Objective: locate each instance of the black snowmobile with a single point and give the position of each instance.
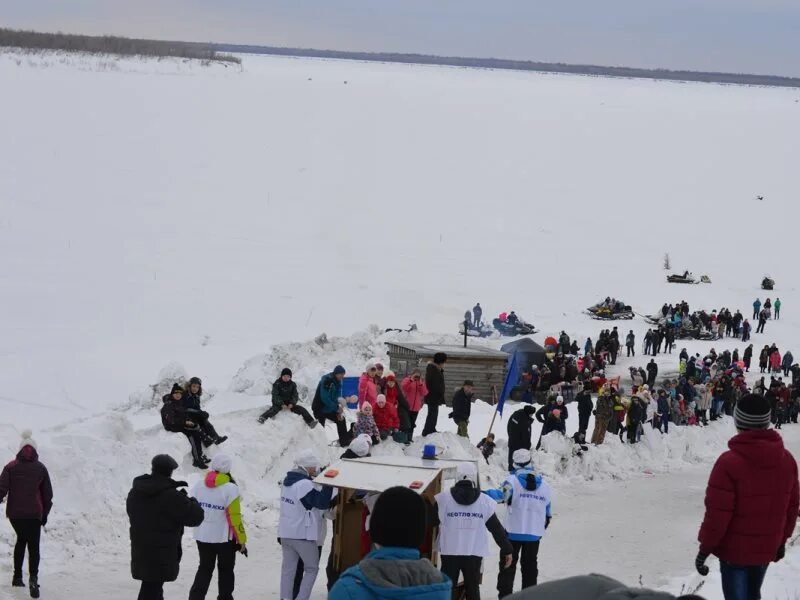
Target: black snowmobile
(767, 283)
(514, 329)
(685, 278)
(604, 312)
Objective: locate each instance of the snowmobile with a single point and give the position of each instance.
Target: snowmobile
(610, 313)
(483, 331)
(767, 283)
(518, 328)
(685, 278)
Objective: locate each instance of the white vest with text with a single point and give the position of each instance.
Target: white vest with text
(462, 529)
(528, 509)
(297, 523)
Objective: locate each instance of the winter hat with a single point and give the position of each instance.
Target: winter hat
(521, 457)
(221, 463)
(398, 519)
(360, 446)
(752, 412)
(391, 376)
(286, 371)
(176, 387)
(381, 401)
(196, 380)
(338, 370)
(27, 440)
(439, 358)
(467, 472)
(529, 410)
(366, 408)
(560, 399)
(379, 366)
(306, 459)
(369, 367)
(163, 464)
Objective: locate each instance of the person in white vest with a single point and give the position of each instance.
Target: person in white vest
(463, 515)
(302, 505)
(222, 533)
(528, 498)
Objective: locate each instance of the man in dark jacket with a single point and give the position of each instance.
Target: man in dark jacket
(477, 313)
(158, 512)
(30, 497)
(585, 407)
(630, 342)
(652, 373)
(174, 418)
(462, 407)
(752, 501)
(519, 432)
(326, 407)
(285, 397)
(191, 402)
(434, 381)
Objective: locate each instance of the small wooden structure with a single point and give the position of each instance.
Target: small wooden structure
(484, 366)
(376, 474)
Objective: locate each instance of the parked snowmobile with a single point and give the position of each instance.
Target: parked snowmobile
(685, 278)
(483, 331)
(767, 283)
(509, 329)
(610, 310)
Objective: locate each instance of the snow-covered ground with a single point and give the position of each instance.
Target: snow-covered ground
(164, 217)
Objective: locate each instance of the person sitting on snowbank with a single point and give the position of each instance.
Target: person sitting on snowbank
(175, 419)
(191, 402)
(285, 397)
(386, 417)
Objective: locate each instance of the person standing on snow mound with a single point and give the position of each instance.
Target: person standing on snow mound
(191, 402)
(325, 405)
(630, 341)
(477, 313)
(752, 501)
(174, 419)
(26, 482)
(299, 525)
(285, 397)
(462, 408)
(434, 381)
(221, 534)
(528, 498)
(394, 568)
(463, 515)
(519, 432)
(158, 512)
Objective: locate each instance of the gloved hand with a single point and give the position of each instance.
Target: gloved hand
(547, 522)
(594, 412)
(243, 549)
(700, 564)
(781, 553)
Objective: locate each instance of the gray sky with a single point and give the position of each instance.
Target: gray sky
(756, 36)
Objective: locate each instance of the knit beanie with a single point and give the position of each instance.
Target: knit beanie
(360, 446)
(286, 372)
(398, 519)
(163, 464)
(196, 380)
(176, 387)
(338, 370)
(752, 412)
(27, 440)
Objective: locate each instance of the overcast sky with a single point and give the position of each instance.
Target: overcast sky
(756, 36)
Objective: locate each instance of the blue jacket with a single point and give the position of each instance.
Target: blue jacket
(383, 571)
(757, 305)
(330, 390)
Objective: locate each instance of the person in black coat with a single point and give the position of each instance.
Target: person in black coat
(519, 432)
(175, 418)
(462, 408)
(158, 512)
(585, 407)
(285, 397)
(191, 402)
(434, 381)
(652, 373)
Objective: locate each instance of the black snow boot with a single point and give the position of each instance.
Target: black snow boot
(207, 441)
(17, 581)
(200, 465)
(205, 459)
(220, 439)
(34, 586)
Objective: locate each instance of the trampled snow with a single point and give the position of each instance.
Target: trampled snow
(163, 219)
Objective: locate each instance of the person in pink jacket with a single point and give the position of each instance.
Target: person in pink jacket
(414, 390)
(367, 389)
(775, 361)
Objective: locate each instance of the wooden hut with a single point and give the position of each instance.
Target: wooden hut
(484, 366)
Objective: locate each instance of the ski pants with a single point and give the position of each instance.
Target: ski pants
(224, 557)
(151, 590)
(526, 554)
(294, 551)
(296, 409)
(341, 427)
(600, 428)
(195, 437)
(583, 422)
(470, 567)
(28, 534)
(431, 419)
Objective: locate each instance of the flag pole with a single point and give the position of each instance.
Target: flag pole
(496, 407)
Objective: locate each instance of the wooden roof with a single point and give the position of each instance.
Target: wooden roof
(452, 351)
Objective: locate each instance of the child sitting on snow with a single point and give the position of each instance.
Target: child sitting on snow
(365, 423)
(487, 446)
(386, 417)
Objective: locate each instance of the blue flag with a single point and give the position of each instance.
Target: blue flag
(511, 381)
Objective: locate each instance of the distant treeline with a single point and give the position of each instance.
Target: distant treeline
(108, 44)
(522, 65)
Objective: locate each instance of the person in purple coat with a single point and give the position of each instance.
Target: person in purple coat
(26, 483)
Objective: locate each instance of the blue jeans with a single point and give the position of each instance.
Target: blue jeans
(741, 583)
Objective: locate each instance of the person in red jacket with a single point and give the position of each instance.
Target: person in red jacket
(414, 390)
(752, 501)
(30, 498)
(386, 417)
